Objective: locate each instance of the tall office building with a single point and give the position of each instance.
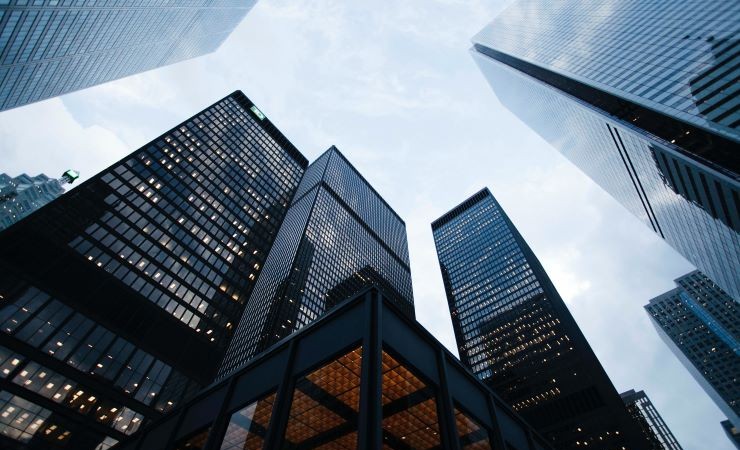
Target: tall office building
(338, 236)
(653, 426)
(118, 299)
(642, 96)
(700, 323)
(52, 47)
(514, 331)
(22, 195)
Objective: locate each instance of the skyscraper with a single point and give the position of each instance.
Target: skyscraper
(653, 426)
(642, 96)
(118, 299)
(514, 331)
(52, 47)
(338, 236)
(22, 195)
(700, 323)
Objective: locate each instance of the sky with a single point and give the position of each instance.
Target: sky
(394, 87)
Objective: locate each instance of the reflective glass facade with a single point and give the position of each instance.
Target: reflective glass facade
(117, 300)
(619, 104)
(700, 323)
(643, 412)
(364, 376)
(52, 47)
(514, 331)
(338, 236)
(22, 195)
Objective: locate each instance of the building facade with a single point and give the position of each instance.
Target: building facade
(338, 236)
(700, 323)
(642, 97)
(22, 195)
(52, 47)
(653, 426)
(514, 331)
(118, 299)
(364, 376)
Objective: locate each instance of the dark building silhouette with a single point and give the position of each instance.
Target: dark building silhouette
(641, 96)
(700, 323)
(653, 426)
(363, 376)
(118, 299)
(337, 227)
(514, 331)
(50, 48)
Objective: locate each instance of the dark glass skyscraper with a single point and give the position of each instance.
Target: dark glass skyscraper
(700, 323)
(119, 298)
(514, 331)
(52, 47)
(653, 426)
(338, 236)
(642, 96)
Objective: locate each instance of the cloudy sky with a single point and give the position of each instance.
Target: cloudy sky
(393, 86)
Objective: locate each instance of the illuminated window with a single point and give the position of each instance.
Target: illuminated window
(472, 436)
(325, 408)
(409, 409)
(194, 442)
(248, 426)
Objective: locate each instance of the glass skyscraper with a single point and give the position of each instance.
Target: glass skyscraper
(653, 426)
(52, 47)
(118, 299)
(641, 95)
(22, 195)
(338, 236)
(700, 323)
(514, 331)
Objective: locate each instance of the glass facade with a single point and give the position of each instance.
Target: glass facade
(514, 331)
(649, 420)
(364, 376)
(22, 195)
(118, 300)
(52, 47)
(338, 236)
(627, 114)
(700, 323)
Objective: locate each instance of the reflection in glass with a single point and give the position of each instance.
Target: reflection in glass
(472, 436)
(248, 426)
(194, 442)
(325, 408)
(409, 409)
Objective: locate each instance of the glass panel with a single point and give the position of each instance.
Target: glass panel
(22, 421)
(326, 405)
(472, 436)
(8, 361)
(248, 426)
(194, 442)
(409, 409)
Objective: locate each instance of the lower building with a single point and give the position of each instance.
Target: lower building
(733, 433)
(22, 195)
(649, 420)
(364, 376)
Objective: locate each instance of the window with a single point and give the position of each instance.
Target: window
(248, 426)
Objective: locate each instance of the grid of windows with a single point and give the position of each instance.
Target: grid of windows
(136, 279)
(647, 417)
(514, 331)
(701, 324)
(325, 251)
(52, 47)
(679, 58)
(693, 207)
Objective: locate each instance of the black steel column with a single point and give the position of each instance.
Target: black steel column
(281, 408)
(448, 428)
(498, 437)
(216, 435)
(371, 409)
